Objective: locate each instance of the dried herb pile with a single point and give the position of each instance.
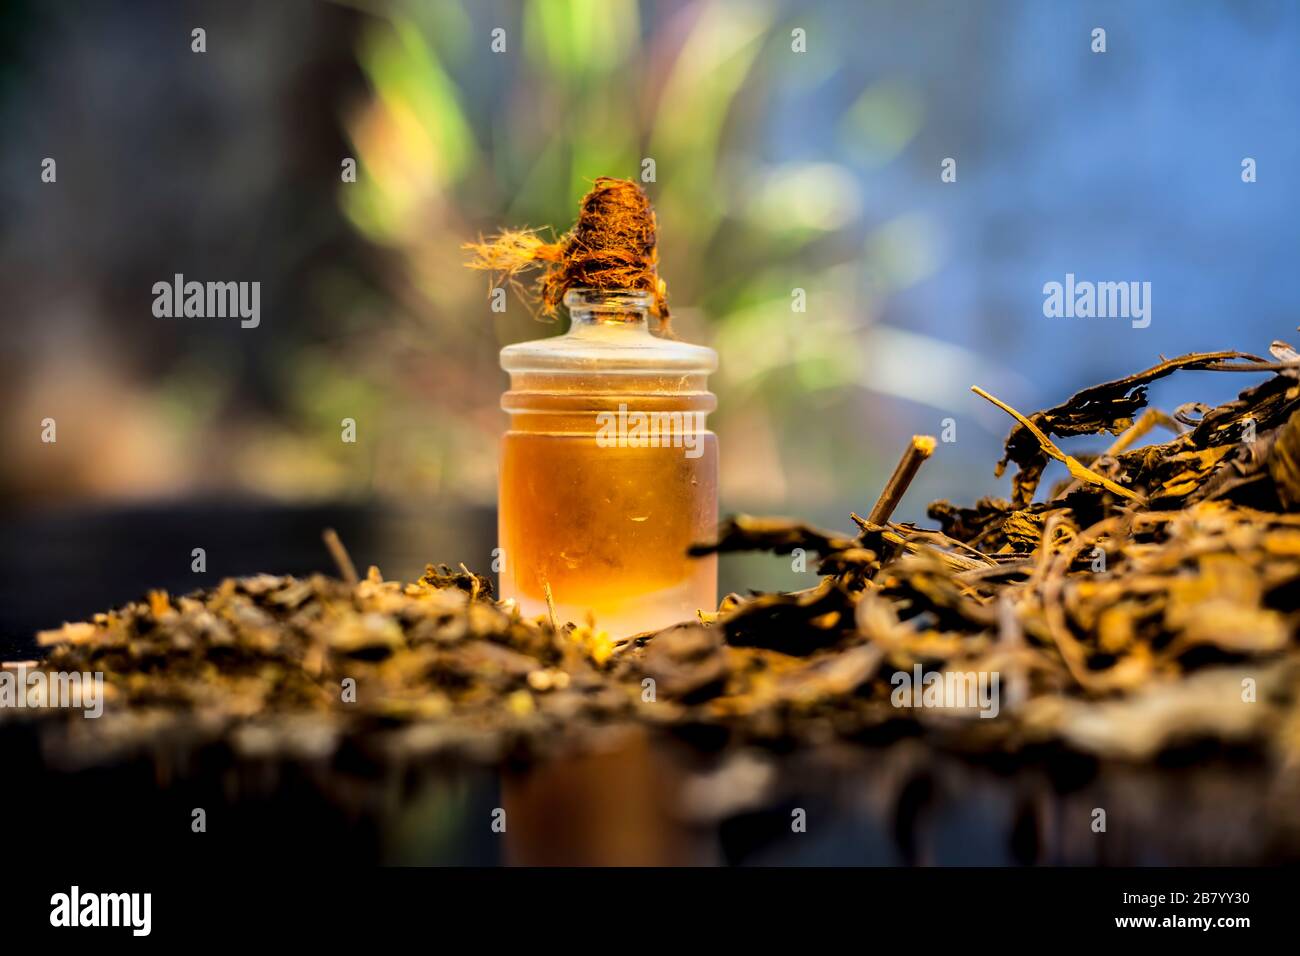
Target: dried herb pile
(1148, 600)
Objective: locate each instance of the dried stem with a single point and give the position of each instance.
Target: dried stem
(550, 607)
(347, 570)
(918, 450)
(1077, 468)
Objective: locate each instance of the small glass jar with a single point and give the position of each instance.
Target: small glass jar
(608, 472)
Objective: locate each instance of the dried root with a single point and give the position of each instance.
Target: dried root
(612, 246)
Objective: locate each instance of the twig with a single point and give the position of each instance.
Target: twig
(940, 538)
(1145, 423)
(1077, 468)
(918, 450)
(347, 570)
(550, 607)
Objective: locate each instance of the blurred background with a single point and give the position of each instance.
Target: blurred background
(774, 170)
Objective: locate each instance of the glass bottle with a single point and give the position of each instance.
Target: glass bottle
(608, 472)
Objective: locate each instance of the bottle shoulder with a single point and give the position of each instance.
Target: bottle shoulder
(608, 348)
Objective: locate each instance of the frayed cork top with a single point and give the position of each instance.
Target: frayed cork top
(612, 246)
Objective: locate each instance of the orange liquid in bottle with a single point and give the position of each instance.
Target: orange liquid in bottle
(608, 472)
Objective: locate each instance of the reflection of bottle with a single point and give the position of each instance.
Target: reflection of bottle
(613, 805)
(608, 472)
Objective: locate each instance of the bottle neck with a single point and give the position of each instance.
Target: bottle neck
(609, 345)
(615, 308)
